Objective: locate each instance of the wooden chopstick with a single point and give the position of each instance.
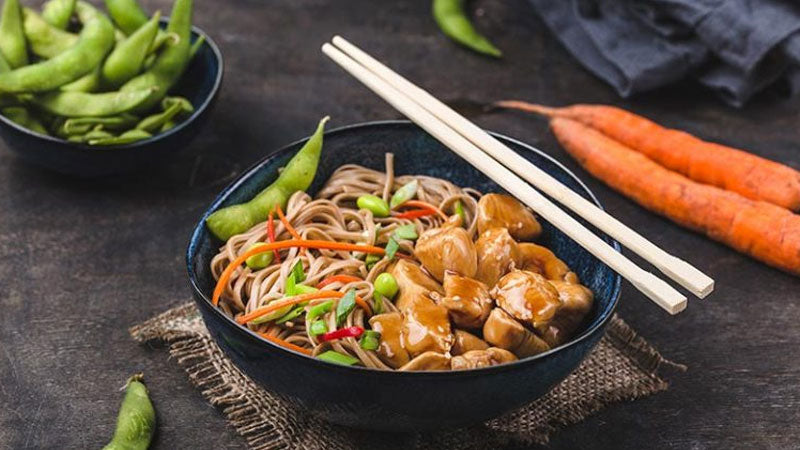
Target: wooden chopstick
(653, 287)
(677, 269)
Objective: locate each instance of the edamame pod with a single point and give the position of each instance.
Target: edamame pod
(82, 125)
(171, 62)
(196, 46)
(88, 83)
(452, 20)
(127, 14)
(137, 418)
(44, 39)
(21, 116)
(296, 176)
(58, 12)
(82, 104)
(95, 40)
(154, 122)
(126, 60)
(12, 37)
(124, 138)
(186, 107)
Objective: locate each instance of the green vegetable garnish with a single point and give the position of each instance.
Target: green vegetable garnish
(297, 272)
(337, 358)
(385, 284)
(378, 307)
(370, 340)
(293, 314)
(460, 211)
(345, 306)
(319, 309)
(373, 203)
(391, 247)
(261, 260)
(317, 327)
(404, 194)
(273, 315)
(408, 231)
(371, 260)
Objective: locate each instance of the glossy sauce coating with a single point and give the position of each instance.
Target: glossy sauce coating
(482, 358)
(527, 296)
(447, 248)
(501, 330)
(503, 211)
(467, 300)
(497, 254)
(390, 350)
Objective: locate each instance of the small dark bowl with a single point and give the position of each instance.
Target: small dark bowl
(400, 401)
(199, 83)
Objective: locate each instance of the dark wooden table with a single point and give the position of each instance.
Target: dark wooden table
(82, 260)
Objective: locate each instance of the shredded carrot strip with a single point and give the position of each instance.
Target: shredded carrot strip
(286, 344)
(423, 205)
(286, 223)
(271, 233)
(415, 214)
(340, 278)
(276, 305)
(327, 245)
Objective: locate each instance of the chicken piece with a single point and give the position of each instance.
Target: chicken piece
(492, 356)
(576, 301)
(447, 248)
(535, 258)
(428, 361)
(412, 282)
(426, 327)
(502, 330)
(466, 342)
(497, 254)
(503, 211)
(528, 297)
(467, 300)
(390, 350)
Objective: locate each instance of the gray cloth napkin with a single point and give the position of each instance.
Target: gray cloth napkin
(735, 47)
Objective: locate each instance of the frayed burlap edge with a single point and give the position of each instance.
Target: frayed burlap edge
(247, 407)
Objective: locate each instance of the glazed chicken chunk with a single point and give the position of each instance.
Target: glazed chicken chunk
(535, 258)
(413, 282)
(447, 248)
(503, 211)
(497, 254)
(466, 300)
(502, 330)
(390, 350)
(576, 301)
(481, 358)
(528, 297)
(465, 342)
(428, 361)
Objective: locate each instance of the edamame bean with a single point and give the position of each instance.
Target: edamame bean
(375, 204)
(452, 20)
(137, 418)
(127, 58)
(127, 137)
(58, 12)
(95, 40)
(386, 285)
(21, 116)
(44, 39)
(12, 36)
(83, 104)
(261, 260)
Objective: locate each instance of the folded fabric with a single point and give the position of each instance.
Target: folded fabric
(735, 47)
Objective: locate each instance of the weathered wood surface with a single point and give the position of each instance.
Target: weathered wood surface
(82, 260)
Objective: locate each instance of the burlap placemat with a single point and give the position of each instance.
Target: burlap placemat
(623, 366)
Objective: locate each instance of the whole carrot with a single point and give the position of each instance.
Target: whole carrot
(706, 162)
(762, 230)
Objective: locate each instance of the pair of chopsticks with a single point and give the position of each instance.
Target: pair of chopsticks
(505, 167)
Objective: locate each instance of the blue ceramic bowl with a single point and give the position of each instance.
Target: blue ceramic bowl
(199, 83)
(400, 401)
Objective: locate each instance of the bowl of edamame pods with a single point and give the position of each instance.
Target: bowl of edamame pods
(90, 92)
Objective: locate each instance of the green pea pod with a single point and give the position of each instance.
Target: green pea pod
(12, 36)
(196, 46)
(81, 125)
(127, 137)
(186, 107)
(58, 12)
(452, 19)
(168, 126)
(83, 104)
(95, 40)
(154, 122)
(127, 58)
(136, 422)
(296, 176)
(90, 82)
(127, 14)
(171, 62)
(44, 39)
(21, 116)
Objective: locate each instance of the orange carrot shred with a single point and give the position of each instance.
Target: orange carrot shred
(271, 233)
(339, 278)
(289, 301)
(286, 344)
(286, 223)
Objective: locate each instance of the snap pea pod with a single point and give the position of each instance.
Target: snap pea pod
(95, 40)
(127, 137)
(12, 36)
(171, 62)
(21, 116)
(452, 19)
(136, 422)
(90, 82)
(44, 39)
(58, 12)
(127, 58)
(81, 125)
(83, 104)
(154, 122)
(296, 176)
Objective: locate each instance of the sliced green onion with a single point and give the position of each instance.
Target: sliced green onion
(303, 289)
(408, 231)
(273, 315)
(297, 272)
(261, 260)
(337, 358)
(378, 306)
(461, 213)
(317, 327)
(404, 194)
(370, 340)
(392, 247)
(293, 314)
(371, 260)
(345, 306)
(319, 309)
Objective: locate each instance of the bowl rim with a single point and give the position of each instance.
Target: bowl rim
(176, 129)
(606, 314)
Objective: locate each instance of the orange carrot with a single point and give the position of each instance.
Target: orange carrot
(286, 223)
(286, 344)
(271, 233)
(706, 162)
(326, 245)
(339, 278)
(762, 230)
(289, 301)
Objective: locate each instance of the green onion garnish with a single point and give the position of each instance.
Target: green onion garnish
(392, 247)
(303, 289)
(293, 314)
(273, 315)
(371, 260)
(297, 272)
(378, 303)
(345, 306)
(319, 309)
(404, 194)
(408, 231)
(337, 358)
(461, 213)
(317, 327)
(370, 340)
